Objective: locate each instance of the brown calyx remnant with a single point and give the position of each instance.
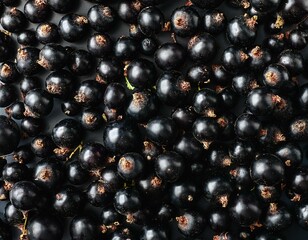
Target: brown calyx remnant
(38, 143)
(2, 197)
(243, 56)
(206, 145)
(96, 173)
(192, 41)
(6, 70)
(218, 88)
(257, 52)
(263, 132)
(223, 200)
(288, 163)
(219, 17)
(29, 113)
(133, 28)
(22, 54)
(273, 208)
(279, 102)
(44, 63)
(279, 137)
(209, 113)
(266, 192)
(184, 86)
(182, 222)
(111, 159)
(54, 88)
(100, 39)
(89, 118)
(271, 78)
(299, 126)
(101, 188)
(137, 5)
(106, 11)
(103, 228)
(190, 198)
(233, 172)
(139, 99)
(18, 158)
(14, 11)
(181, 21)
(99, 79)
(59, 196)
(245, 4)
(46, 29)
(251, 22)
(254, 226)
(279, 22)
(130, 218)
(81, 20)
(279, 36)
(61, 151)
(254, 84)
(148, 147)
(40, 3)
(45, 174)
(188, 3)
(156, 182)
(125, 164)
(296, 198)
(80, 97)
(167, 27)
(226, 162)
(7, 186)
(223, 122)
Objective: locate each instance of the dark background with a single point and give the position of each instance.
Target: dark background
(82, 7)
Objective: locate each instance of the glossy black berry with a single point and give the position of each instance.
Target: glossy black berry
(14, 20)
(191, 223)
(150, 21)
(83, 227)
(169, 166)
(121, 136)
(161, 130)
(170, 56)
(185, 21)
(202, 47)
(47, 33)
(214, 22)
(9, 135)
(52, 57)
(89, 93)
(61, 6)
(24, 195)
(38, 102)
(37, 10)
(101, 17)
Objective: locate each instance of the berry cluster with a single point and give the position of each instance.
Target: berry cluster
(205, 130)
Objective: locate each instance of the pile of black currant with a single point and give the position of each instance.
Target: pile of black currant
(193, 125)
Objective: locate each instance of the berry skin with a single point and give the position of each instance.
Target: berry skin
(101, 18)
(67, 133)
(161, 130)
(185, 21)
(247, 126)
(27, 61)
(92, 156)
(266, 5)
(141, 73)
(169, 166)
(127, 201)
(89, 93)
(241, 31)
(121, 136)
(59, 83)
(72, 27)
(170, 56)
(207, 4)
(245, 209)
(172, 88)
(277, 218)
(61, 6)
(150, 21)
(302, 215)
(214, 22)
(37, 11)
(9, 135)
(293, 61)
(202, 47)
(68, 201)
(8, 72)
(14, 20)
(47, 33)
(131, 166)
(24, 195)
(191, 223)
(267, 169)
(83, 227)
(52, 57)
